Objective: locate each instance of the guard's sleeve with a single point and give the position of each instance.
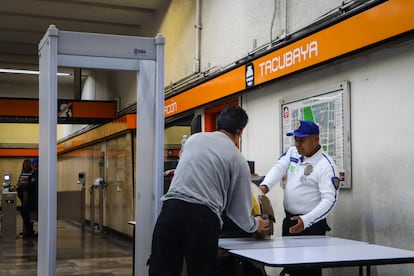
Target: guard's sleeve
(328, 183)
(278, 170)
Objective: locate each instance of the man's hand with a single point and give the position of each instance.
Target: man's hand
(263, 224)
(298, 227)
(264, 188)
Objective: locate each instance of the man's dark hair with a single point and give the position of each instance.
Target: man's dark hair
(232, 118)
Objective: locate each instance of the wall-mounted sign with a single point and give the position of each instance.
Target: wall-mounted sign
(329, 108)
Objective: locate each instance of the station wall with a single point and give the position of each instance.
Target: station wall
(381, 119)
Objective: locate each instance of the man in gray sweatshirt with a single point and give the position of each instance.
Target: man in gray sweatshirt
(211, 176)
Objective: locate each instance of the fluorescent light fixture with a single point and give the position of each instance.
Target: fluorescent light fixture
(27, 72)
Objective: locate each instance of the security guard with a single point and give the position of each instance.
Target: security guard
(311, 186)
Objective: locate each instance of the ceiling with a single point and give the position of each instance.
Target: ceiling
(23, 23)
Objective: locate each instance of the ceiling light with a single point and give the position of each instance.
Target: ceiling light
(27, 72)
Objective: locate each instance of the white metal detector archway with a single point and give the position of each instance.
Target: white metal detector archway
(101, 51)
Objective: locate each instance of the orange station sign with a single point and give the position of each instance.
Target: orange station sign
(384, 21)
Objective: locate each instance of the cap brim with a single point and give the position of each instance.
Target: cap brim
(297, 134)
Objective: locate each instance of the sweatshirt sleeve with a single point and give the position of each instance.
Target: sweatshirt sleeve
(239, 204)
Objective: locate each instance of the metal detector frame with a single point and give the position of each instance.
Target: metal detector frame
(102, 51)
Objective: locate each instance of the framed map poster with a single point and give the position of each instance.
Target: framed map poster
(329, 108)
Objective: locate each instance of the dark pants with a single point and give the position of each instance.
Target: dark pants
(29, 205)
(318, 228)
(184, 230)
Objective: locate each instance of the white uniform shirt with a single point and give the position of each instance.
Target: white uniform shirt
(311, 187)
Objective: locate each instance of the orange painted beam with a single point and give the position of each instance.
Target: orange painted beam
(19, 152)
(124, 123)
(91, 109)
(19, 107)
(217, 88)
(77, 109)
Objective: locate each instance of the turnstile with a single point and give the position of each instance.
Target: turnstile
(9, 213)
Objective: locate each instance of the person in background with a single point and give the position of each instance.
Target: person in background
(22, 191)
(23, 180)
(30, 199)
(311, 186)
(212, 176)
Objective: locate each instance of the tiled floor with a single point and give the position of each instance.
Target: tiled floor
(76, 254)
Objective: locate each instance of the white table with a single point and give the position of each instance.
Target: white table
(276, 242)
(315, 251)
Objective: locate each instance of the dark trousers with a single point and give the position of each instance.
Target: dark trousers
(28, 206)
(318, 228)
(184, 230)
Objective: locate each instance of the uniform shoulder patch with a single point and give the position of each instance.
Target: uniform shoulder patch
(336, 182)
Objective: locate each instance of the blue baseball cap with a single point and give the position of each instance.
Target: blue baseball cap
(304, 129)
(34, 161)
